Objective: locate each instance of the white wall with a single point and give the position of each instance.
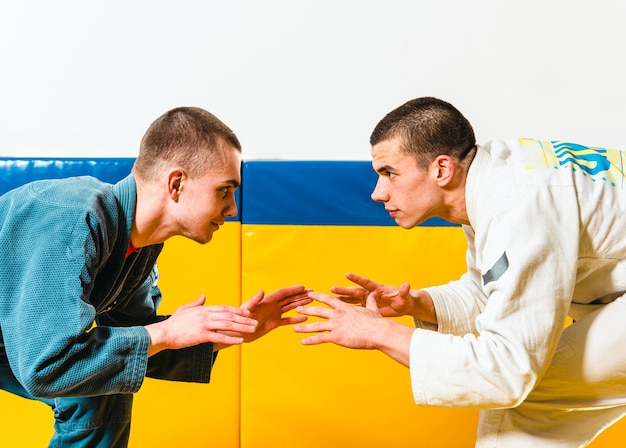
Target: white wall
(305, 79)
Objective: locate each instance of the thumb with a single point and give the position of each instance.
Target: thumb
(198, 302)
(370, 303)
(254, 301)
(404, 289)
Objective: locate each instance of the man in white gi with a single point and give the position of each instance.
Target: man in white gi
(546, 229)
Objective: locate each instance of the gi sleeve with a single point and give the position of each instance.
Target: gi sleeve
(527, 258)
(459, 303)
(45, 312)
(191, 364)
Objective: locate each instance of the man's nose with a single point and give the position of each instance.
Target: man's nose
(380, 193)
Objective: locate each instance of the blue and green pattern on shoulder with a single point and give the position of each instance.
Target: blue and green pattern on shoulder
(599, 164)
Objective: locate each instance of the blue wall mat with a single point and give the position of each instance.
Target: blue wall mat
(18, 171)
(273, 192)
(313, 193)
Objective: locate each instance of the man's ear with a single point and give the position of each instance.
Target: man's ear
(175, 183)
(444, 168)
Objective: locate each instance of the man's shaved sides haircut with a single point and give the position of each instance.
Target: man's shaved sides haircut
(189, 137)
(427, 127)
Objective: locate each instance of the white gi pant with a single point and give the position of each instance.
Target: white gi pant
(582, 393)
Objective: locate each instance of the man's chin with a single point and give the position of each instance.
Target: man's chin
(405, 224)
(203, 239)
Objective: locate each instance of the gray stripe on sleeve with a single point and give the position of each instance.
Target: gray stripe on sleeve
(496, 270)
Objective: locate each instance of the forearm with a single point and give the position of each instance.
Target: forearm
(394, 339)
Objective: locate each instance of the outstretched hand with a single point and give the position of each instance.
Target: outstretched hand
(268, 310)
(345, 325)
(355, 327)
(391, 301)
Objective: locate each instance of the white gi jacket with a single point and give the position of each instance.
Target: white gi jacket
(547, 239)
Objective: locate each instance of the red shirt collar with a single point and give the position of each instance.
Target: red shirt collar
(131, 249)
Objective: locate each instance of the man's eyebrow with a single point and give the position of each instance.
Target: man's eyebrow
(232, 182)
(385, 168)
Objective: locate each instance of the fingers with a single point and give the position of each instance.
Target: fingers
(316, 311)
(285, 293)
(254, 301)
(295, 304)
(292, 320)
(356, 294)
(212, 318)
(286, 301)
(353, 293)
(322, 328)
(329, 300)
(193, 325)
(226, 309)
(313, 327)
(317, 339)
(288, 298)
(229, 325)
(362, 281)
(225, 339)
(229, 320)
(350, 294)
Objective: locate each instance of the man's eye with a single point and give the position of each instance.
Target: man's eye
(390, 175)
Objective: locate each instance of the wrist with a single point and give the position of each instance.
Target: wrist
(423, 306)
(157, 336)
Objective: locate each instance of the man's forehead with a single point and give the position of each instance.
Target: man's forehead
(226, 172)
(225, 159)
(389, 152)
